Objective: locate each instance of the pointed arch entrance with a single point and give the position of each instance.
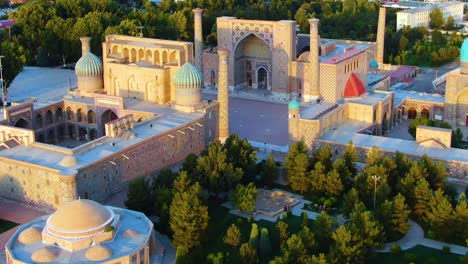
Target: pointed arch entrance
(22, 123)
(107, 116)
(252, 54)
(262, 78)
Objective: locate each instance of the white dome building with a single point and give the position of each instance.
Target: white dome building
(84, 231)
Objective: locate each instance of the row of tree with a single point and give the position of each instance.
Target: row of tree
(404, 185)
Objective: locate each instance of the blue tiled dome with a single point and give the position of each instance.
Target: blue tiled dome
(188, 75)
(464, 51)
(373, 64)
(294, 105)
(89, 66)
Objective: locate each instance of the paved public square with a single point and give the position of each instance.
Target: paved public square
(264, 122)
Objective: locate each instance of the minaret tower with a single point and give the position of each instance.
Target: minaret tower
(381, 36)
(223, 94)
(314, 61)
(198, 41)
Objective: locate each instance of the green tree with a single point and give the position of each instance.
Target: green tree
(334, 186)
(14, 59)
(323, 227)
(217, 174)
(243, 197)
(324, 155)
(218, 258)
(190, 164)
(178, 21)
(139, 196)
(436, 17)
(241, 155)
(374, 157)
(188, 217)
(450, 24)
(270, 171)
(233, 236)
(298, 177)
(294, 250)
(296, 164)
(307, 238)
(165, 178)
(248, 254)
(339, 165)
(440, 215)
(253, 239)
(400, 213)
(304, 219)
(350, 199)
(384, 215)
(265, 244)
(345, 248)
(350, 157)
(283, 232)
(461, 221)
(422, 195)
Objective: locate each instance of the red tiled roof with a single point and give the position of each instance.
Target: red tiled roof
(354, 87)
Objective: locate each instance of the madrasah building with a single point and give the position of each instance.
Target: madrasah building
(136, 111)
(339, 90)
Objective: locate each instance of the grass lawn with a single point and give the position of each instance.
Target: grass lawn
(423, 255)
(221, 219)
(6, 225)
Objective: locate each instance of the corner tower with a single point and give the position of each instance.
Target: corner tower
(88, 70)
(314, 61)
(381, 36)
(294, 108)
(198, 37)
(223, 94)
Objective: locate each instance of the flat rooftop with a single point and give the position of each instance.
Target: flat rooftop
(400, 95)
(166, 120)
(370, 98)
(316, 110)
(343, 51)
(346, 131)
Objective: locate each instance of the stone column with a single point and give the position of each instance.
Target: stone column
(198, 41)
(381, 36)
(314, 61)
(223, 94)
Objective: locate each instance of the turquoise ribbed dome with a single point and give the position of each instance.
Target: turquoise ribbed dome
(188, 75)
(294, 105)
(89, 66)
(464, 51)
(373, 64)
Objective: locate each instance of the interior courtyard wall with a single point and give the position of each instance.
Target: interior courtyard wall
(210, 68)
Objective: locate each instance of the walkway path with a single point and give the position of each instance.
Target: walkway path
(415, 236)
(17, 213)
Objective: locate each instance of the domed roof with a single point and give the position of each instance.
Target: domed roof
(98, 253)
(88, 65)
(354, 87)
(30, 235)
(44, 255)
(68, 161)
(188, 75)
(464, 51)
(79, 216)
(373, 64)
(130, 233)
(294, 105)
